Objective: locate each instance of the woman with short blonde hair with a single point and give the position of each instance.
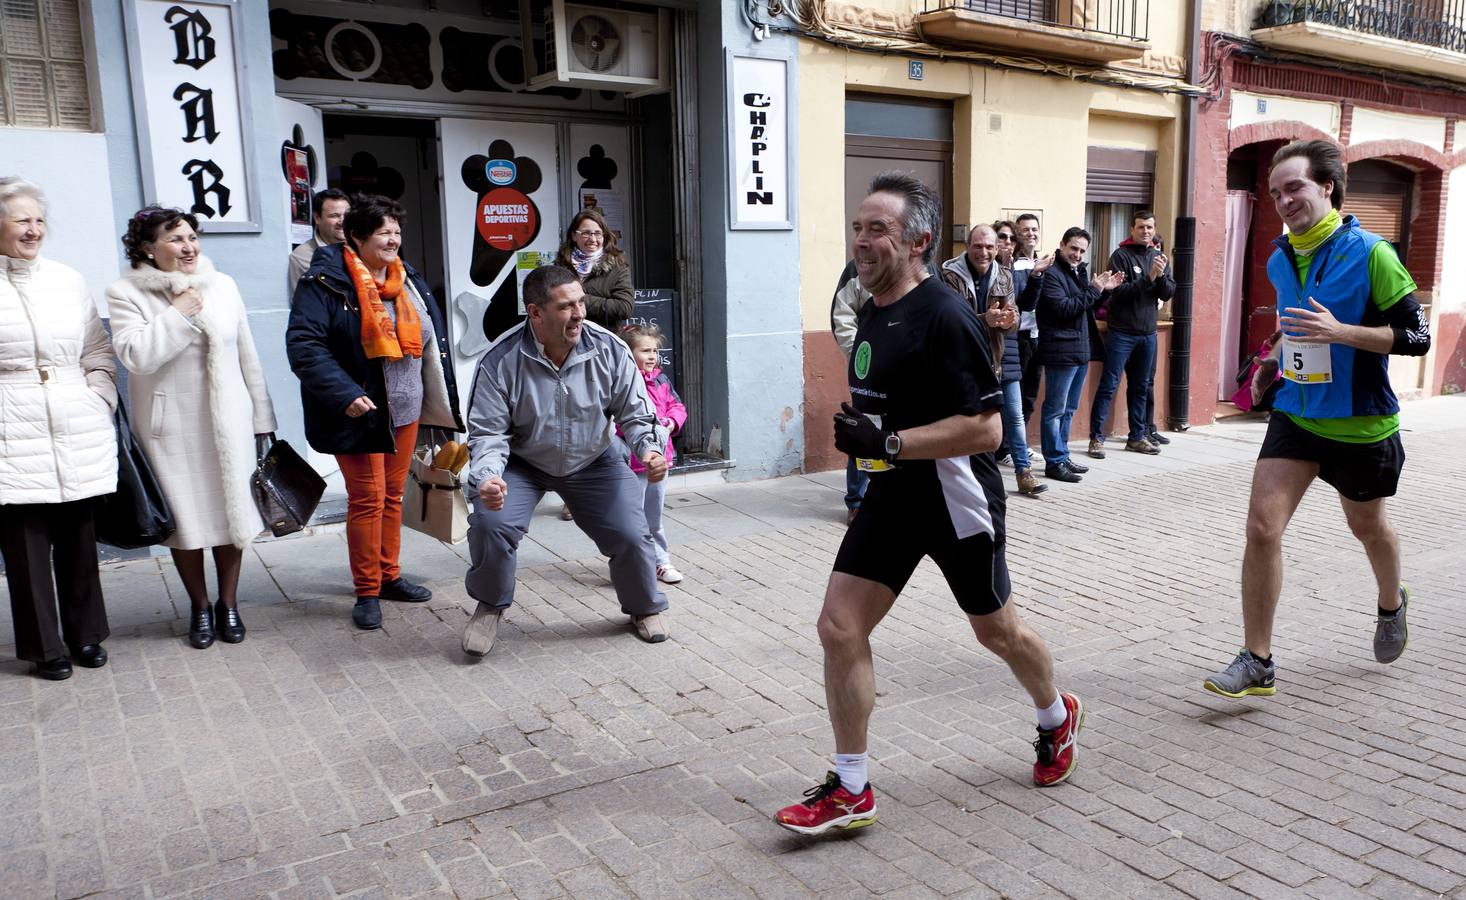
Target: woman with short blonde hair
(58, 446)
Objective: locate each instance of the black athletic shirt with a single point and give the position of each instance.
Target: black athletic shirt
(918, 361)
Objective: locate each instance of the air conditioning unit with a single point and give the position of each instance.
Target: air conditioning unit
(604, 49)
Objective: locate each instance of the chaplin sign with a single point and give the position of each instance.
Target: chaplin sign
(760, 146)
(189, 101)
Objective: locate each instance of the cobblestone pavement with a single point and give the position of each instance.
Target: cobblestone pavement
(314, 760)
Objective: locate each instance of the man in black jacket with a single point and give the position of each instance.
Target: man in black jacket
(1068, 341)
(1131, 344)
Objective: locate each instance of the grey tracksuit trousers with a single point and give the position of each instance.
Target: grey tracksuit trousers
(606, 498)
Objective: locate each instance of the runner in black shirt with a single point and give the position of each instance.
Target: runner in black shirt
(915, 363)
(924, 422)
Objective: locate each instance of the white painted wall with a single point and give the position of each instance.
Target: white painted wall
(1318, 113)
(79, 228)
(1379, 125)
(1451, 293)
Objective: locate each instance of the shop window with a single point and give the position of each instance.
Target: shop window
(43, 67)
(1108, 224)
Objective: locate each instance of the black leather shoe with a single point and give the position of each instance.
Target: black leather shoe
(405, 591)
(1155, 437)
(367, 614)
(228, 623)
(201, 629)
(1062, 472)
(92, 656)
(1075, 467)
(53, 669)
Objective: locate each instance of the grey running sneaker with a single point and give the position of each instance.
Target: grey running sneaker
(1246, 675)
(1390, 633)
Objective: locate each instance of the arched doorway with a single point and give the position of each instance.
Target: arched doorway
(1247, 168)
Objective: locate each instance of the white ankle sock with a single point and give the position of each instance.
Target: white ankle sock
(854, 770)
(1054, 716)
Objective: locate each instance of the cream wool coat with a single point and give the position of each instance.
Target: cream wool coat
(57, 442)
(198, 398)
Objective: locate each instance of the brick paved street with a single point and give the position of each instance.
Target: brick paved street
(315, 760)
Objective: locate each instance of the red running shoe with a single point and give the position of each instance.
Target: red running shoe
(829, 806)
(1058, 749)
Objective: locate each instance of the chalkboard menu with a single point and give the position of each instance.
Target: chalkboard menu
(657, 306)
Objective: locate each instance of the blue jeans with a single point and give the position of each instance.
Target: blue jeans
(855, 482)
(1135, 354)
(1150, 395)
(1013, 425)
(1063, 389)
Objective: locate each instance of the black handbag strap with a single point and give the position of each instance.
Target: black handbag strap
(263, 443)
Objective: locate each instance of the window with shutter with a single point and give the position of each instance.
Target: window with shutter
(43, 66)
(1115, 175)
(1032, 10)
(1378, 195)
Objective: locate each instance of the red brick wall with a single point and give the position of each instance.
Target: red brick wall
(825, 388)
(1449, 344)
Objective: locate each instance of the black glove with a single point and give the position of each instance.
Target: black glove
(856, 435)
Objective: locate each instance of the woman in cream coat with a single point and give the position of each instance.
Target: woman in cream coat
(198, 402)
(58, 449)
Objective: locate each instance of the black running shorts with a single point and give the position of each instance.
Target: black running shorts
(1359, 472)
(903, 519)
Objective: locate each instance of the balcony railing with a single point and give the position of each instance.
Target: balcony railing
(1108, 18)
(1433, 23)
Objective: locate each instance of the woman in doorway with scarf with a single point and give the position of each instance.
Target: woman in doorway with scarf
(590, 251)
(369, 345)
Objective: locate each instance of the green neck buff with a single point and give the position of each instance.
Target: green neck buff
(1308, 241)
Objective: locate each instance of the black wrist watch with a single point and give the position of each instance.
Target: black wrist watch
(893, 446)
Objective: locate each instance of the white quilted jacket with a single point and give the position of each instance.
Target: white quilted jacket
(57, 442)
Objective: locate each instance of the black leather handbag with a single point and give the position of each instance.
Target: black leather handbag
(137, 513)
(286, 488)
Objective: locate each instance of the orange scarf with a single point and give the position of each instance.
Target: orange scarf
(379, 337)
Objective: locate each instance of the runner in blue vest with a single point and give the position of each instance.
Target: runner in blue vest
(1347, 303)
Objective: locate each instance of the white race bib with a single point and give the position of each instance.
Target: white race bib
(1306, 362)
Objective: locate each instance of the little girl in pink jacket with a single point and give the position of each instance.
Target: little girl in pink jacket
(645, 341)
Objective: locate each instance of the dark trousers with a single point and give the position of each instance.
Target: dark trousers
(605, 496)
(33, 536)
(1133, 354)
(1032, 373)
(1150, 395)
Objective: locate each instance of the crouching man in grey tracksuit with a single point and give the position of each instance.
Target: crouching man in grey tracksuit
(539, 419)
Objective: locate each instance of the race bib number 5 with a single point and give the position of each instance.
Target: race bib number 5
(1305, 362)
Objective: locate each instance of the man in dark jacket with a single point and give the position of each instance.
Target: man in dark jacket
(1131, 346)
(1067, 340)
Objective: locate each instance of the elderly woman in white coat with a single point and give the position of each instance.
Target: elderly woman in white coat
(198, 402)
(58, 449)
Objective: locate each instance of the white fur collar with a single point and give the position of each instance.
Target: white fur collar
(151, 278)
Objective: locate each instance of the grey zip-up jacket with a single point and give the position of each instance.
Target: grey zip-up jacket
(556, 421)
